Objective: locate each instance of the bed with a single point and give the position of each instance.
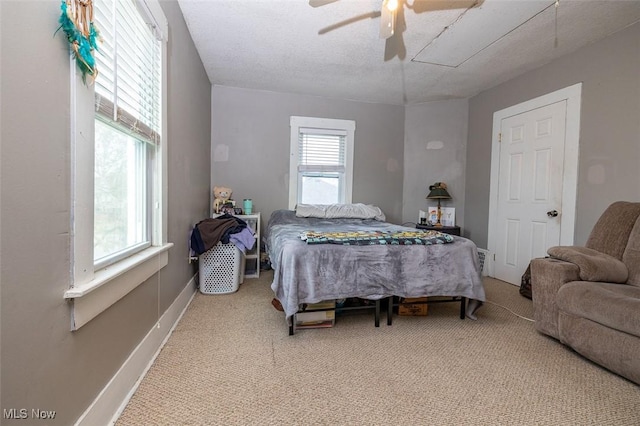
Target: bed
(309, 272)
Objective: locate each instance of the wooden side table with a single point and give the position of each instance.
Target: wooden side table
(452, 230)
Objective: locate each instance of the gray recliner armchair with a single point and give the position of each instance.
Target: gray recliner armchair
(589, 297)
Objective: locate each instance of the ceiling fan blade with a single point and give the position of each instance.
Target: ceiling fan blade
(420, 6)
(318, 3)
(370, 15)
(387, 22)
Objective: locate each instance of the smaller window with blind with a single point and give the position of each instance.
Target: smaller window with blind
(321, 161)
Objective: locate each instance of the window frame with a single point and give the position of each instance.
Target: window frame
(297, 123)
(93, 290)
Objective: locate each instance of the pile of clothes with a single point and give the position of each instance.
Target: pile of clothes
(224, 229)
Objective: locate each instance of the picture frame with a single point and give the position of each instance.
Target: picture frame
(448, 216)
(432, 214)
(422, 217)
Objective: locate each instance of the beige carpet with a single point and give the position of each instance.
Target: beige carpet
(231, 361)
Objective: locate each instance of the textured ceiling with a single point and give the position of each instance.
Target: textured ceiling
(442, 49)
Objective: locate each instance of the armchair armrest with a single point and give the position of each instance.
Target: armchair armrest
(593, 265)
(547, 276)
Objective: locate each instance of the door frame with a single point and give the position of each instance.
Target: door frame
(572, 95)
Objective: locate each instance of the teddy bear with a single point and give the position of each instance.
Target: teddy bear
(220, 196)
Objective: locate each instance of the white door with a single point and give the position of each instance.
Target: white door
(530, 183)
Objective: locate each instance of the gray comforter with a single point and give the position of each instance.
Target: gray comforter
(312, 273)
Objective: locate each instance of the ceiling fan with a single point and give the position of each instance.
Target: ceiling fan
(392, 19)
(388, 12)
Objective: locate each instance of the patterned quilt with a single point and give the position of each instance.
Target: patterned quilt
(368, 238)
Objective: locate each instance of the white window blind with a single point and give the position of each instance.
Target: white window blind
(321, 150)
(128, 86)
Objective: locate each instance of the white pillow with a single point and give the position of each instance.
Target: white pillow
(335, 211)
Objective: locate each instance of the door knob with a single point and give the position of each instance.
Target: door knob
(552, 213)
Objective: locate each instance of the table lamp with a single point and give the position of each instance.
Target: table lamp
(438, 191)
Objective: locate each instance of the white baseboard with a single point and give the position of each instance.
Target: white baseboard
(112, 400)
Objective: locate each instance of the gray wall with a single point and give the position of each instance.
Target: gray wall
(435, 151)
(609, 155)
(255, 127)
(44, 365)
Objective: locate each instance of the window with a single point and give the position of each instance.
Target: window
(119, 177)
(321, 161)
(128, 95)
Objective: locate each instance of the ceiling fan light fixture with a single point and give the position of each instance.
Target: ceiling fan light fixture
(388, 19)
(391, 5)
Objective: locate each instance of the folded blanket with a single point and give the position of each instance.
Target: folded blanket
(365, 238)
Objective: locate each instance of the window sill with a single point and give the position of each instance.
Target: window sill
(113, 283)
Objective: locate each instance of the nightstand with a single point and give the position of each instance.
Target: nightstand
(452, 230)
(252, 257)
